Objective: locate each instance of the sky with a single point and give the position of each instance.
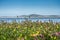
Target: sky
(27, 7)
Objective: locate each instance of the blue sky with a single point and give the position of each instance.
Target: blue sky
(26, 7)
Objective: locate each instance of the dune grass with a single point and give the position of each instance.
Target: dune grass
(28, 30)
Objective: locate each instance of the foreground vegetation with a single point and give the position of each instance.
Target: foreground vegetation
(29, 30)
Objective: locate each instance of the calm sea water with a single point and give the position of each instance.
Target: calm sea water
(32, 19)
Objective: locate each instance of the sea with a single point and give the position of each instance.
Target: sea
(31, 19)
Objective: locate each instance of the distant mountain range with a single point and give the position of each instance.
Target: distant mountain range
(32, 16)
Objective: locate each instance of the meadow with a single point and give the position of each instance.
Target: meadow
(28, 30)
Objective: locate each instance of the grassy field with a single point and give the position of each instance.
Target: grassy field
(29, 30)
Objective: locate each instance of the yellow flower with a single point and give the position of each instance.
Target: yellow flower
(18, 26)
(44, 31)
(55, 37)
(4, 38)
(20, 35)
(9, 26)
(17, 32)
(30, 34)
(50, 31)
(22, 30)
(14, 30)
(33, 34)
(51, 36)
(37, 32)
(1, 28)
(57, 26)
(41, 26)
(25, 37)
(25, 28)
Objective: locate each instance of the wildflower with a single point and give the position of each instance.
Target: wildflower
(14, 30)
(1, 28)
(20, 35)
(9, 26)
(41, 26)
(25, 28)
(4, 38)
(57, 27)
(18, 26)
(42, 36)
(50, 31)
(57, 33)
(37, 32)
(18, 38)
(22, 30)
(25, 37)
(44, 31)
(33, 34)
(17, 32)
(55, 38)
(51, 36)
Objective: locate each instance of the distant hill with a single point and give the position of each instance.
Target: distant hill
(32, 16)
(41, 16)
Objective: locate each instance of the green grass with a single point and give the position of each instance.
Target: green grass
(28, 30)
